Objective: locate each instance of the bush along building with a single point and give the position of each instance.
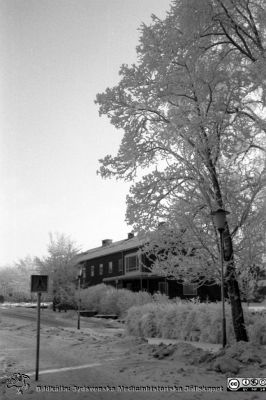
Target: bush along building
(123, 264)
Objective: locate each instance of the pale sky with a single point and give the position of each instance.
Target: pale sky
(55, 56)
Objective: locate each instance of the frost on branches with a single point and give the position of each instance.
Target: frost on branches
(193, 114)
(177, 254)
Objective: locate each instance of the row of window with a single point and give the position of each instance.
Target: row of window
(131, 264)
(92, 269)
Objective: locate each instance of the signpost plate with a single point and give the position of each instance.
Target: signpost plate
(39, 283)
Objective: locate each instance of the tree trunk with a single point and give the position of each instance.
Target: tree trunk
(233, 289)
(230, 276)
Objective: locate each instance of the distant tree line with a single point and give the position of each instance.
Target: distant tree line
(57, 264)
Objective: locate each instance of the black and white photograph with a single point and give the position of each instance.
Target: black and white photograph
(133, 199)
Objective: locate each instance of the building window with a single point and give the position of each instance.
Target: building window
(120, 265)
(101, 269)
(110, 267)
(190, 289)
(131, 262)
(84, 272)
(92, 270)
(163, 287)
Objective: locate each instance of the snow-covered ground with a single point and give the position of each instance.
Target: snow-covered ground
(27, 305)
(100, 361)
(257, 308)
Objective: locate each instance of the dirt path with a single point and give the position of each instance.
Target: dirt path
(100, 361)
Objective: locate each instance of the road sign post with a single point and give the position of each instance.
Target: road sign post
(39, 284)
(79, 302)
(38, 335)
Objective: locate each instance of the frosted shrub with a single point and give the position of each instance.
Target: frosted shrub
(91, 297)
(173, 320)
(133, 321)
(143, 298)
(144, 319)
(188, 321)
(215, 331)
(149, 325)
(160, 298)
(204, 321)
(108, 300)
(156, 315)
(257, 330)
(170, 323)
(127, 299)
(191, 324)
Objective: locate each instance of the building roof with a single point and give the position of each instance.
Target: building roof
(114, 247)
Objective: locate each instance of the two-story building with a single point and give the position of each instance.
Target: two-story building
(123, 264)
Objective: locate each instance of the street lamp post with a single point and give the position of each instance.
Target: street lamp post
(79, 299)
(219, 220)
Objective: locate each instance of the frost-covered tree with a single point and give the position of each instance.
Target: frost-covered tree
(181, 254)
(15, 279)
(193, 114)
(250, 251)
(58, 264)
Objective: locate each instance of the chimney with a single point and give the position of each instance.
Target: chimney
(106, 242)
(130, 235)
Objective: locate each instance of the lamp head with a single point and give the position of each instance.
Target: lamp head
(80, 272)
(220, 218)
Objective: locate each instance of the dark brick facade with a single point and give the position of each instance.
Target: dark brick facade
(106, 265)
